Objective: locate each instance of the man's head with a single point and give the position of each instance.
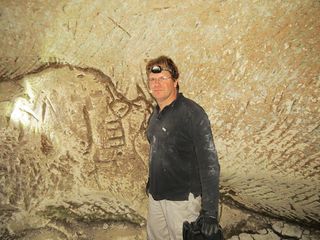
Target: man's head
(163, 77)
(162, 63)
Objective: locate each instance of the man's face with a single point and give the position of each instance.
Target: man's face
(162, 87)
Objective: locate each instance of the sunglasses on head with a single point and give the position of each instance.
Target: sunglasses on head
(159, 69)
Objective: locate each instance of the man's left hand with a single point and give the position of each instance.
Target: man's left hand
(209, 226)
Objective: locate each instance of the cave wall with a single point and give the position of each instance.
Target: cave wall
(74, 103)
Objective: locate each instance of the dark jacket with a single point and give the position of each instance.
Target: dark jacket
(183, 157)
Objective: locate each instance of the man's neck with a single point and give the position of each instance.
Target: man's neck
(167, 102)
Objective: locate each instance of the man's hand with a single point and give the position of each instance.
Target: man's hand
(209, 226)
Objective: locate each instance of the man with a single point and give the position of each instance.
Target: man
(183, 166)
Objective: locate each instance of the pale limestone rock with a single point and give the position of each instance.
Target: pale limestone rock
(245, 236)
(234, 238)
(288, 230)
(278, 226)
(263, 231)
(292, 230)
(74, 160)
(268, 236)
(311, 236)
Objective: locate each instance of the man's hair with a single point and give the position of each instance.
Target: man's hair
(165, 62)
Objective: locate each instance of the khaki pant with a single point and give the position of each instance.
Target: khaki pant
(165, 218)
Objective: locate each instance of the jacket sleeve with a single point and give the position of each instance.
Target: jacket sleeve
(209, 168)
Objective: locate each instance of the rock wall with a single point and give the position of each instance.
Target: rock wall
(74, 105)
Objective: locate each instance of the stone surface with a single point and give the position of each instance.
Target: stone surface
(74, 105)
(52, 168)
(278, 231)
(269, 235)
(288, 230)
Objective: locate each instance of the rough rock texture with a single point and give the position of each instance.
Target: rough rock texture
(74, 105)
(81, 156)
